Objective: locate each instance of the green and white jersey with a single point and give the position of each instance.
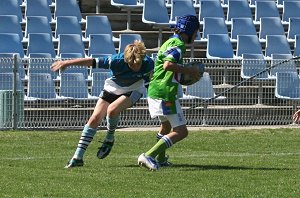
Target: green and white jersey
(163, 86)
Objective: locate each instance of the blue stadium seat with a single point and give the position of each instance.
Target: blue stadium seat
(68, 8)
(11, 7)
(214, 25)
(156, 13)
(126, 39)
(252, 64)
(74, 85)
(41, 63)
(98, 80)
(293, 28)
(210, 9)
(270, 26)
(101, 44)
(242, 26)
(265, 9)
(10, 24)
(282, 64)
(11, 43)
(7, 64)
(238, 9)
(290, 9)
(40, 43)
(41, 86)
(287, 86)
(297, 45)
(277, 44)
(38, 24)
(96, 24)
(180, 8)
(67, 25)
(7, 79)
(38, 8)
(219, 46)
(248, 44)
(70, 43)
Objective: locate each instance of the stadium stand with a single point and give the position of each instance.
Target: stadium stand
(11, 43)
(38, 24)
(68, 25)
(281, 64)
(293, 28)
(297, 46)
(6, 81)
(265, 9)
(287, 86)
(219, 46)
(270, 26)
(34, 44)
(210, 9)
(70, 43)
(68, 8)
(98, 80)
(290, 9)
(6, 65)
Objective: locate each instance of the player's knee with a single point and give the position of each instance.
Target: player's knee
(112, 112)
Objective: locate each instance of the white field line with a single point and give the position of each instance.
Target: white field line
(177, 156)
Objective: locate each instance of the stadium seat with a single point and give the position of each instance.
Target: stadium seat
(101, 44)
(11, 43)
(38, 24)
(41, 63)
(10, 24)
(96, 24)
(242, 26)
(219, 46)
(210, 9)
(11, 7)
(180, 8)
(248, 44)
(265, 9)
(287, 85)
(202, 90)
(214, 25)
(127, 5)
(155, 13)
(7, 64)
(40, 43)
(70, 43)
(293, 28)
(252, 64)
(277, 44)
(68, 8)
(7, 79)
(282, 64)
(74, 68)
(297, 45)
(38, 8)
(41, 86)
(67, 25)
(238, 9)
(74, 85)
(126, 39)
(290, 9)
(270, 26)
(98, 80)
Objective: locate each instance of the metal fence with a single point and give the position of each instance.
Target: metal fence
(34, 101)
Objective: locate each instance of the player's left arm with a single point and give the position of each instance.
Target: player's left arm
(62, 64)
(296, 116)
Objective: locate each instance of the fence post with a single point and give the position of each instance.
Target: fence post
(14, 94)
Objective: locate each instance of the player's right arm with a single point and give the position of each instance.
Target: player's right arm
(177, 68)
(78, 61)
(296, 116)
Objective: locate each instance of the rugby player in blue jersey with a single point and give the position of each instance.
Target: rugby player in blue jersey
(131, 71)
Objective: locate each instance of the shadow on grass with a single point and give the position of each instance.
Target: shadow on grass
(189, 167)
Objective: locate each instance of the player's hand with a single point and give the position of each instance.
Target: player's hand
(57, 66)
(296, 116)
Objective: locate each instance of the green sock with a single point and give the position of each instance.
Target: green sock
(161, 157)
(159, 147)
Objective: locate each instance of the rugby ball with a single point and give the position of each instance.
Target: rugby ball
(185, 79)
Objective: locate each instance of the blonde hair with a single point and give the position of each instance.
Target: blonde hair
(135, 53)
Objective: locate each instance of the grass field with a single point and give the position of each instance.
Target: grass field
(229, 163)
